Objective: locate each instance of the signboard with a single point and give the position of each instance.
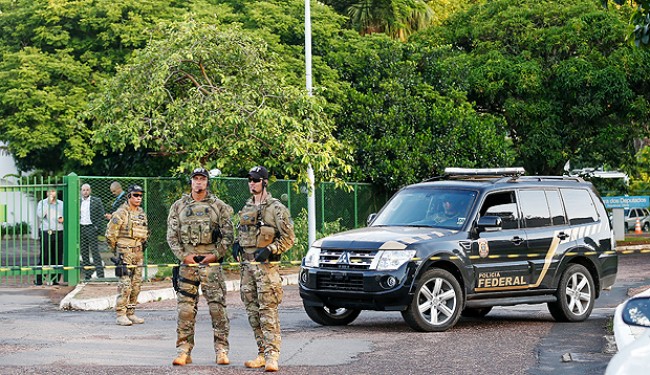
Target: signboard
(640, 201)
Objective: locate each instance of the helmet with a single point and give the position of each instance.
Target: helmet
(259, 172)
(200, 172)
(135, 189)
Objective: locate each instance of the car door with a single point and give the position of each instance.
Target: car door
(498, 257)
(547, 232)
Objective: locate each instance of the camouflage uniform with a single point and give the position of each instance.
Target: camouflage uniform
(261, 284)
(125, 233)
(190, 225)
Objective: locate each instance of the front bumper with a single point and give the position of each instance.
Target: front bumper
(357, 289)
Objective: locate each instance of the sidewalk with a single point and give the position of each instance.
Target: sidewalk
(101, 295)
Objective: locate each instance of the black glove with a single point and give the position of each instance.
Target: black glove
(262, 254)
(199, 258)
(236, 250)
(216, 234)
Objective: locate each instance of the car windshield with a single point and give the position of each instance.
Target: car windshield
(428, 207)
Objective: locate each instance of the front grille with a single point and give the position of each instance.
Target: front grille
(346, 259)
(350, 282)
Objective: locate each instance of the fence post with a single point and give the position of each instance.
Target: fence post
(71, 207)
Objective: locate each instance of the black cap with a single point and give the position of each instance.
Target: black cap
(200, 172)
(135, 189)
(259, 172)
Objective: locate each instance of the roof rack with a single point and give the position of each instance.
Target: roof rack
(553, 178)
(483, 173)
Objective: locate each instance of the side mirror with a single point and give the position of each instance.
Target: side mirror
(488, 224)
(370, 219)
(636, 312)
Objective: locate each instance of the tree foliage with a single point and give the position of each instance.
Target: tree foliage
(54, 54)
(558, 72)
(401, 128)
(211, 96)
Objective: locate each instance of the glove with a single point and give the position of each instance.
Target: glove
(236, 250)
(262, 254)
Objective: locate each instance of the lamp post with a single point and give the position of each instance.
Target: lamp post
(311, 199)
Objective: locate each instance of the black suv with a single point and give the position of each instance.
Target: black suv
(463, 243)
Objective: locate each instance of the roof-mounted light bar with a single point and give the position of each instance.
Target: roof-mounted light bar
(514, 171)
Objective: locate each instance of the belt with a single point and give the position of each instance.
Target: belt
(86, 225)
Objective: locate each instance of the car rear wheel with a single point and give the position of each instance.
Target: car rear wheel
(575, 295)
(331, 316)
(437, 302)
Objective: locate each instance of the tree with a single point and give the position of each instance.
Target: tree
(640, 19)
(557, 71)
(402, 129)
(53, 55)
(214, 96)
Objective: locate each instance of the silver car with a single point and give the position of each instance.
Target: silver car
(637, 213)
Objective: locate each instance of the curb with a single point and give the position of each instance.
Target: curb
(69, 302)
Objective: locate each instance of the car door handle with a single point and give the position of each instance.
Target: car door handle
(562, 236)
(517, 240)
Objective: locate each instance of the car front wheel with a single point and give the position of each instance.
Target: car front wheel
(437, 303)
(331, 316)
(575, 295)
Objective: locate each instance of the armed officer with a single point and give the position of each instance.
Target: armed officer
(199, 232)
(265, 232)
(125, 234)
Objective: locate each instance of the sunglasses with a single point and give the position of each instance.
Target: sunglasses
(255, 180)
(137, 195)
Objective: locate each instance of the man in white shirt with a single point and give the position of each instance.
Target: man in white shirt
(91, 219)
(50, 216)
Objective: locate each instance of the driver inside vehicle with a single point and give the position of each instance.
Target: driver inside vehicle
(447, 210)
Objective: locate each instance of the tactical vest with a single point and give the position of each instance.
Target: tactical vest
(135, 229)
(256, 226)
(197, 220)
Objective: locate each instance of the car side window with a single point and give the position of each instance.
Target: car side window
(579, 206)
(555, 205)
(504, 205)
(534, 208)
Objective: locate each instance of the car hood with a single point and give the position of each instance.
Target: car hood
(382, 238)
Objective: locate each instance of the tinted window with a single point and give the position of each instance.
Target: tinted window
(426, 206)
(579, 207)
(534, 208)
(504, 205)
(555, 206)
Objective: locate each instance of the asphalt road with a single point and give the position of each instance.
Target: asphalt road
(37, 338)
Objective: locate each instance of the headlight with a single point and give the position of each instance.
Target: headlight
(313, 256)
(393, 259)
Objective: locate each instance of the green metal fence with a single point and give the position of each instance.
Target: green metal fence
(21, 251)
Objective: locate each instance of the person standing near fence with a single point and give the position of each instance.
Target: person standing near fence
(120, 198)
(200, 232)
(50, 216)
(126, 233)
(265, 231)
(90, 219)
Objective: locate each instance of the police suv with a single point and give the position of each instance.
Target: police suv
(462, 243)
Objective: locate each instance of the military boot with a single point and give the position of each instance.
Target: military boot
(222, 358)
(122, 320)
(258, 362)
(135, 319)
(182, 360)
(271, 365)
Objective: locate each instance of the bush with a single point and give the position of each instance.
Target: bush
(16, 229)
